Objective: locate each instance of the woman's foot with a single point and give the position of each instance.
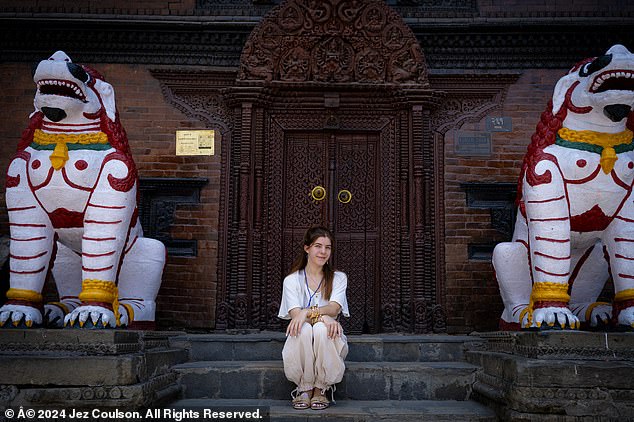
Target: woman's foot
(319, 401)
(302, 400)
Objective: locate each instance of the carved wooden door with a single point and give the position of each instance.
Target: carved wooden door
(333, 179)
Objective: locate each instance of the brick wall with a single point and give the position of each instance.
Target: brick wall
(472, 295)
(188, 293)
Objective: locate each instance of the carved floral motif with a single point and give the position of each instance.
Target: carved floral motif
(333, 41)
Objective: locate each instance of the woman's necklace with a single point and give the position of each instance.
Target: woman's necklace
(310, 299)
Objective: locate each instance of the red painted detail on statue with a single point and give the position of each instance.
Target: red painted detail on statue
(97, 255)
(552, 274)
(27, 134)
(543, 201)
(628, 276)
(627, 220)
(49, 176)
(577, 268)
(592, 220)
(62, 218)
(27, 225)
(617, 307)
(36, 164)
(131, 245)
(549, 239)
(98, 239)
(29, 239)
(102, 222)
(627, 258)
(585, 179)
(545, 135)
(630, 165)
(108, 207)
(73, 185)
(81, 165)
(582, 163)
(126, 183)
(542, 220)
(96, 270)
(622, 239)
(532, 177)
(522, 207)
(619, 182)
(135, 217)
(551, 257)
(21, 208)
(571, 106)
(12, 181)
(549, 304)
(28, 272)
(26, 258)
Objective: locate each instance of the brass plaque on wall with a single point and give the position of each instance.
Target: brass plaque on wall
(195, 142)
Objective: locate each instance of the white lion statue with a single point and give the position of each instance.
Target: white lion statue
(575, 224)
(71, 193)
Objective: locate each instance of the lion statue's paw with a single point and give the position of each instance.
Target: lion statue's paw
(600, 315)
(94, 317)
(626, 318)
(20, 316)
(554, 316)
(54, 316)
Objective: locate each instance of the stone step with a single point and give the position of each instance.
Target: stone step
(68, 369)
(363, 348)
(353, 410)
(362, 380)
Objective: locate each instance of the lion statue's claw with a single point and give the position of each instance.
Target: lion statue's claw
(554, 318)
(19, 316)
(94, 317)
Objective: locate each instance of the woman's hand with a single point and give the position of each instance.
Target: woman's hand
(296, 323)
(334, 328)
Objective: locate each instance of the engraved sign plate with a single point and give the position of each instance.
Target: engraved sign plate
(472, 144)
(499, 124)
(195, 142)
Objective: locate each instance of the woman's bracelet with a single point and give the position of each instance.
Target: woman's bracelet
(314, 314)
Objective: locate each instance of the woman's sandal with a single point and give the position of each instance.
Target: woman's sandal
(319, 402)
(302, 401)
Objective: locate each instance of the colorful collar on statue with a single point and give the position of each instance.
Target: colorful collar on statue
(606, 144)
(60, 143)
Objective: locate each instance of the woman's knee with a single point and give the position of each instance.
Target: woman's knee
(306, 331)
(320, 330)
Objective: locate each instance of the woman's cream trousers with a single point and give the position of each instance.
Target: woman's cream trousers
(312, 359)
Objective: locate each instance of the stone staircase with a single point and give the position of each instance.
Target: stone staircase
(388, 377)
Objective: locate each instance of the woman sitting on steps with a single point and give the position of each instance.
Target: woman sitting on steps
(314, 294)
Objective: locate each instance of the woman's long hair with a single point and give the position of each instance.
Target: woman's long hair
(301, 261)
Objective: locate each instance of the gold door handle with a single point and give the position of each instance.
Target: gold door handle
(318, 193)
(344, 196)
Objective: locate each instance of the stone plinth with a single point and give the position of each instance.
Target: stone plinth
(86, 369)
(556, 375)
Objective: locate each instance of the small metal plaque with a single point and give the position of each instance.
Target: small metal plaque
(195, 142)
(472, 144)
(499, 124)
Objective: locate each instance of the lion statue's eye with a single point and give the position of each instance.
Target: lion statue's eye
(595, 65)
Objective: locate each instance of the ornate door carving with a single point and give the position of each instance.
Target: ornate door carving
(345, 165)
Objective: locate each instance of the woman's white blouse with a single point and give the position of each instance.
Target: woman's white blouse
(296, 294)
